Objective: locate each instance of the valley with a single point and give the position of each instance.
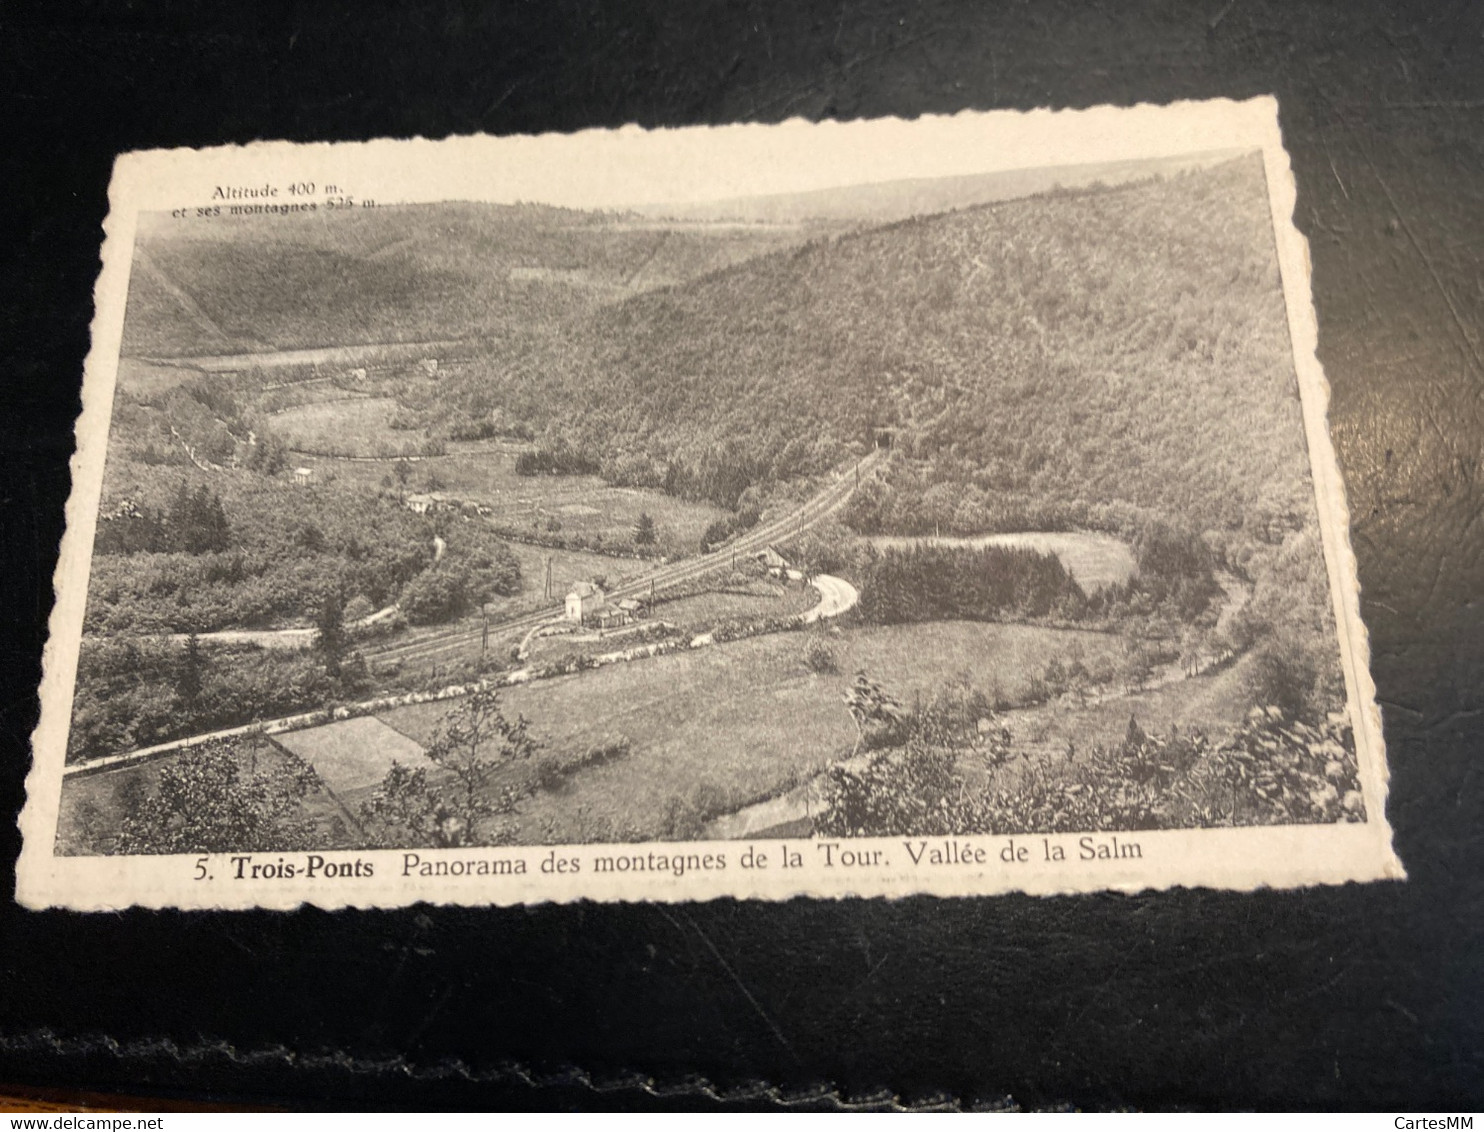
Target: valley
(856, 512)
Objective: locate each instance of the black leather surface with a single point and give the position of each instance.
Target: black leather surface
(1346, 997)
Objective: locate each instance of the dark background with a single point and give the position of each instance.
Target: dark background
(1359, 996)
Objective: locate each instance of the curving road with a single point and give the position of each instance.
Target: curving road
(836, 596)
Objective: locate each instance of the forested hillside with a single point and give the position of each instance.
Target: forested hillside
(404, 273)
(1044, 358)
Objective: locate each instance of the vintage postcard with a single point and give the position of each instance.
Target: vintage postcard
(942, 506)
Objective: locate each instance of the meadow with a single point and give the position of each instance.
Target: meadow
(715, 729)
(361, 425)
(578, 509)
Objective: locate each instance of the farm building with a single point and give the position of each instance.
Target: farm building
(583, 600)
(302, 476)
(611, 617)
(771, 557)
(633, 606)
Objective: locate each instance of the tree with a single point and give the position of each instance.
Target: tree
(209, 802)
(1283, 674)
(193, 666)
(718, 531)
(473, 743)
(403, 811)
(267, 455)
(358, 608)
(644, 529)
(435, 595)
(330, 638)
(309, 538)
(198, 521)
(1138, 664)
(905, 791)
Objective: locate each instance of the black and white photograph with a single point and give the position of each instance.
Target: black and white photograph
(884, 525)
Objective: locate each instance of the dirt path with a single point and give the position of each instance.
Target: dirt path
(836, 595)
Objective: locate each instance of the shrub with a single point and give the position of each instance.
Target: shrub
(434, 596)
(207, 801)
(358, 608)
(1275, 771)
(819, 658)
(899, 792)
(1283, 674)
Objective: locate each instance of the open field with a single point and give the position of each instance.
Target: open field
(717, 728)
(357, 425)
(352, 756)
(145, 380)
(1209, 704)
(582, 507)
(1094, 560)
(1215, 704)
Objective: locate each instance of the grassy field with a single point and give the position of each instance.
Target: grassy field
(718, 728)
(1214, 704)
(354, 755)
(144, 380)
(571, 506)
(356, 425)
(567, 566)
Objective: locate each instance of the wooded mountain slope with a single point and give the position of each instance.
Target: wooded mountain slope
(403, 273)
(1076, 349)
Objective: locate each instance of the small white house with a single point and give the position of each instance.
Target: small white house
(302, 476)
(583, 600)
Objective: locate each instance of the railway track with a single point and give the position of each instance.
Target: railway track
(451, 644)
